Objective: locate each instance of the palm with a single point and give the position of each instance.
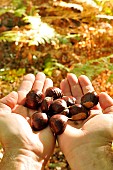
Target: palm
(13, 125)
(87, 140)
(30, 83)
(22, 110)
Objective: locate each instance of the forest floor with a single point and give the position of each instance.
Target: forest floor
(90, 39)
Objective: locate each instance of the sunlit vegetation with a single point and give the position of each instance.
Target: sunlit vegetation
(56, 37)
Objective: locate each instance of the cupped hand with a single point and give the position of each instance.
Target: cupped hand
(88, 144)
(16, 135)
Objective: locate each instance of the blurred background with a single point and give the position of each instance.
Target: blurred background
(56, 37)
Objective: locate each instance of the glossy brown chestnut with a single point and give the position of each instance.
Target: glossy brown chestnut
(78, 112)
(89, 100)
(46, 104)
(54, 92)
(58, 123)
(70, 100)
(38, 121)
(57, 106)
(34, 99)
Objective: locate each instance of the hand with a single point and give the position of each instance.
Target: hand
(23, 148)
(87, 145)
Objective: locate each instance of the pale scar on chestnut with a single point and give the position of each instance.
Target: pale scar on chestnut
(90, 100)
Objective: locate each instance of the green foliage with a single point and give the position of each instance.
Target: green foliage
(11, 76)
(9, 36)
(40, 32)
(35, 33)
(93, 67)
(17, 7)
(17, 3)
(50, 64)
(66, 39)
(20, 11)
(106, 6)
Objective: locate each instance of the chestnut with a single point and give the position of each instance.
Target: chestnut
(57, 106)
(89, 100)
(65, 112)
(58, 123)
(54, 92)
(70, 100)
(33, 99)
(78, 112)
(38, 121)
(46, 104)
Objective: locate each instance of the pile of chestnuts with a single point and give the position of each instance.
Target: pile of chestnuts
(55, 109)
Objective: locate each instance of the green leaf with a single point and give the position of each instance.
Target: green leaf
(93, 67)
(19, 12)
(11, 75)
(50, 64)
(37, 33)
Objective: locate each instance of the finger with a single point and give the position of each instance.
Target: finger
(25, 87)
(65, 87)
(85, 84)
(39, 81)
(75, 86)
(21, 110)
(86, 87)
(106, 102)
(8, 102)
(48, 83)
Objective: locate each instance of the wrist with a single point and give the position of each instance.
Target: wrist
(21, 159)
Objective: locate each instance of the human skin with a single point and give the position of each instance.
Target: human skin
(23, 148)
(89, 142)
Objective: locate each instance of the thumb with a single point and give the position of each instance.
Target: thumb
(9, 101)
(106, 102)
